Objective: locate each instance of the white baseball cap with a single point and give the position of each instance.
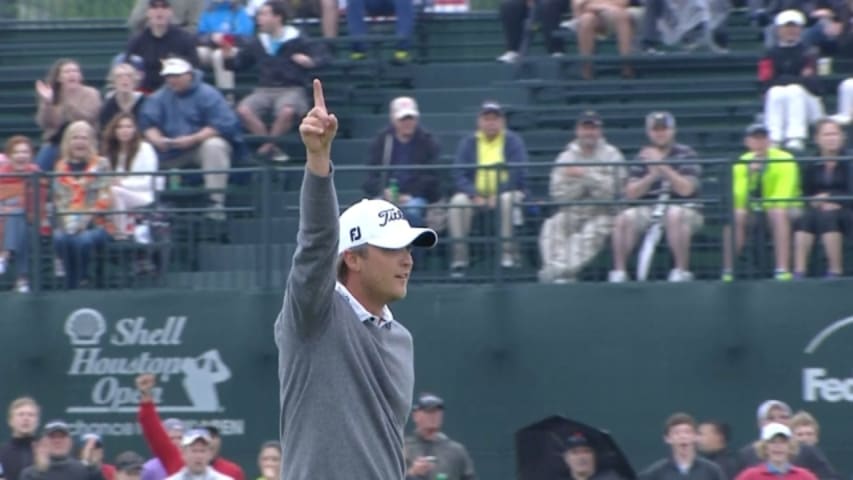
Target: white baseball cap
(195, 435)
(790, 16)
(175, 66)
(771, 430)
(381, 224)
(402, 107)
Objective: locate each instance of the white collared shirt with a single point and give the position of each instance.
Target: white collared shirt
(363, 315)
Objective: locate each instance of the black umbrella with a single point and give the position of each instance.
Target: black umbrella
(539, 449)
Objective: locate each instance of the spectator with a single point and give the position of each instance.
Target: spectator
(766, 182)
(582, 462)
(515, 13)
(777, 448)
(123, 98)
(787, 75)
(17, 453)
(153, 469)
(495, 179)
(684, 463)
(693, 23)
(659, 181)
(189, 123)
(597, 17)
(126, 151)
(713, 444)
(807, 456)
(269, 461)
(823, 216)
(404, 143)
(576, 233)
(805, 428)
(404, 12)
(80, 187)
(429, 452)
(224, 22)
(185, 15)
(52, 460)
(326, 10)
(17, 202)
(845, 102)
(62, 98)
(95, 453)
(283, 57)
(832, 26)
(197, 453)
(227, 467)
(128, 466)
(160, 41)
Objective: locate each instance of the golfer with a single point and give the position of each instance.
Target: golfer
(345, 364)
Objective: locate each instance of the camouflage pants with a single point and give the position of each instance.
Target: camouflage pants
(569, 241)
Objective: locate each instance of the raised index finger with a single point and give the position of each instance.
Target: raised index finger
(319, 99)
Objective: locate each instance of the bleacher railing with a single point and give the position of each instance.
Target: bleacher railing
(181, 242)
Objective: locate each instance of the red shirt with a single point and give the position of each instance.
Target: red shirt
(108, 471)
(761, 472)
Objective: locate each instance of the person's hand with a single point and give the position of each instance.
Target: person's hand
(832, 29)
(829, 206)
(651, 154)
(492, 201)
(302, 60)
(183, 142)
(145, 383)
(575, 171)
(822, 13)
(319, 127)
(89, 454)
(162, 144)
(478, 201)
(420, 467)
(217, 38)
(44, 91)
(41, 457)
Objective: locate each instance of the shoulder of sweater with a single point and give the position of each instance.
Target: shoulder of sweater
(656, 466)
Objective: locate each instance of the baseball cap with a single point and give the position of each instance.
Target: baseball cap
(757, 128)
(429, 401)
(195, 435)
(381, 224)
(56, 426)
(129, 462)
(660, 120)
(92, 436)
(787, 17)
(765, 407)
(590, 117)
(402, 107)
(773, 429)
(577, 439)
(158, 3)
(491, 106)
(175, 66)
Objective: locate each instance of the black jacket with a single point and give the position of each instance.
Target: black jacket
(277, 70)
(15, 456)
(787, 64)
(111, 109)
(816, 182)
(175, 43)
(727, 460)
(63, 468)
(808, 457)
(424, 150)
(666, 469)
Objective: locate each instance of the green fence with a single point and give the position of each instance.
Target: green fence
(619, 356)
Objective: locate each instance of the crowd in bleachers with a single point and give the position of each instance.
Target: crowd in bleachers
(160, 115)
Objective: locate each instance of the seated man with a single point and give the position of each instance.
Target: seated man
(788, 76)
(326, 10)
(762, 186)
(500, 183)
(283, 57)
(404, 143)
(403, 10)
(576, 233)
(659, 181)
(190, 124)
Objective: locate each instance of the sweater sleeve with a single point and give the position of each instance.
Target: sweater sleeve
(158, 439)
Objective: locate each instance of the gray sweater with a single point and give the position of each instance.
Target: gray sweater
(346, 384)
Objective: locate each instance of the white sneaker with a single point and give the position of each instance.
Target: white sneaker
(509, 57)
(2, 265)
(676, 275)
(508, 261)
(617, 276)
(22, 286)
(58, 267)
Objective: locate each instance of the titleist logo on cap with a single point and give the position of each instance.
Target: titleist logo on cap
(390, 215)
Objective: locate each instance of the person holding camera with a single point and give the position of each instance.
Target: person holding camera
(430, 454)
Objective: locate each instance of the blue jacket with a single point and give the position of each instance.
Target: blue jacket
(515, 153)
(225, 17)
(176, 114)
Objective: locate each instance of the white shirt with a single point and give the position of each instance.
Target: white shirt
(209, 474)
(145, 161)
(385, 320)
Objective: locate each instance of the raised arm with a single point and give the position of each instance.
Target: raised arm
(311, 282)
(152, 428)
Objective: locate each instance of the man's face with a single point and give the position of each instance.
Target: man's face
(790, 33)
(580, 460)
(383, 272)
(757, 143)
(491, 124)
(159, 16)
(777, 415)
(660, 136)
(588, 134)
(429, 419)
(58, 444)
(709, 439)
(267, 22)
(681, 436)
(197, 456)
(778, 449)
(179, 83)
(806, 434)
(24, 420)
(405, 127)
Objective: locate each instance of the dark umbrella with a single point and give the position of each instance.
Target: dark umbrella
(539, 449)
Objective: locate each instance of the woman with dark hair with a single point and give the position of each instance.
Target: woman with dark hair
(825, 217)
(17, 203)
(126, 151)
(62, 98)
(269, 460)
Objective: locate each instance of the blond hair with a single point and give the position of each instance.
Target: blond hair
(761, 448)
(804, 419)
(23, 402)
(73, 128)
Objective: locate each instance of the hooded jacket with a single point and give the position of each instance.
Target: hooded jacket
(273, 58)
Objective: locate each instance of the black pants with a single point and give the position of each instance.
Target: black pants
(818, 222)
(549, 13)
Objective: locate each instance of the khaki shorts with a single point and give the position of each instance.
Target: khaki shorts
(270, 101)
(641, 217)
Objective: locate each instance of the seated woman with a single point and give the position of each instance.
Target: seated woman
(79, 187)
(17, 205)
(825, 218)
(126, 151)
(124, 97)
